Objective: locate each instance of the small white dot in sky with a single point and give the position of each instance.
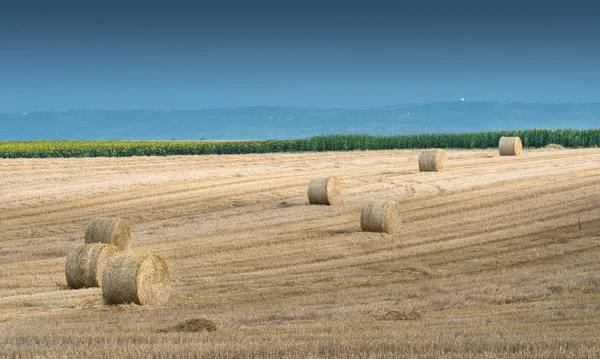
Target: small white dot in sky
(462, 98)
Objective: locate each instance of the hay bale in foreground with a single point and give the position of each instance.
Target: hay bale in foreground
(380, 216)
(325, 190)
(113, 231)
(86, 263)
(136, 278)
(510, 146)
(432, 160)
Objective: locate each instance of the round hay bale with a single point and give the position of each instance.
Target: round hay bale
(113, 231)
(86, 263)
(325, 190)
(510, 146)
(432, 160)
(380, 216)
(136, 278)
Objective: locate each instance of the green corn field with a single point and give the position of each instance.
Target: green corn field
(116, 148)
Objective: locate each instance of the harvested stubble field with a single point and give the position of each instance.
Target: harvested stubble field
(496, 257)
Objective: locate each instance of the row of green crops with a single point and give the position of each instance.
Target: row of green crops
(46, 149)
(530, 138)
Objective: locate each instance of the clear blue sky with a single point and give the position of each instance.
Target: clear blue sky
(130, 55)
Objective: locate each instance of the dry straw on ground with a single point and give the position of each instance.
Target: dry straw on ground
(136, 278)
(86, 263)
(554, 146)
(193, 325)
(401, 315)
(325, 190)
(510, 146)
(380, 216)
(432, 160)
(114, 231)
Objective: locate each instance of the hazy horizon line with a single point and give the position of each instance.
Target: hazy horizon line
(305, 107)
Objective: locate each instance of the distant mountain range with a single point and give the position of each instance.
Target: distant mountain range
(265, 122)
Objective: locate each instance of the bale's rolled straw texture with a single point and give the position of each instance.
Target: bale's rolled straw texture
(86, 263)
(380, 216)
(432, 160)
(113, 231)
(136, 278)
(510, 146)
(325, 190)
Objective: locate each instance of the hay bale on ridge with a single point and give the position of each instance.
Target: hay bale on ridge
(433, 160)
(113, 231)
(136, 278)
(326, 190)
(510, 146)
(380, 216)
(86, 263)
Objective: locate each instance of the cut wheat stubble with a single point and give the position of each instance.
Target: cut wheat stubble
(113, 231)
(380, 216)
(326, 190)
(86, 264)
(136, 278)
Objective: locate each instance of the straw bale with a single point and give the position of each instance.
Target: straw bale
(510, 146)
(432, 160)
(86, 263)
(114, 231)
(137, 278)
(327, 190)
(380, 216)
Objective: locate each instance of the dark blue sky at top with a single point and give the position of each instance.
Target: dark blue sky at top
(57, 55)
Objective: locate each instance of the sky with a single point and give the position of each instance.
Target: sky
(59, 55)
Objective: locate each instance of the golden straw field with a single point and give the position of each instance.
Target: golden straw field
(496, 257)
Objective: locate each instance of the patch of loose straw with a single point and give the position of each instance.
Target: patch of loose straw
(554, 146)
(193, 325)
